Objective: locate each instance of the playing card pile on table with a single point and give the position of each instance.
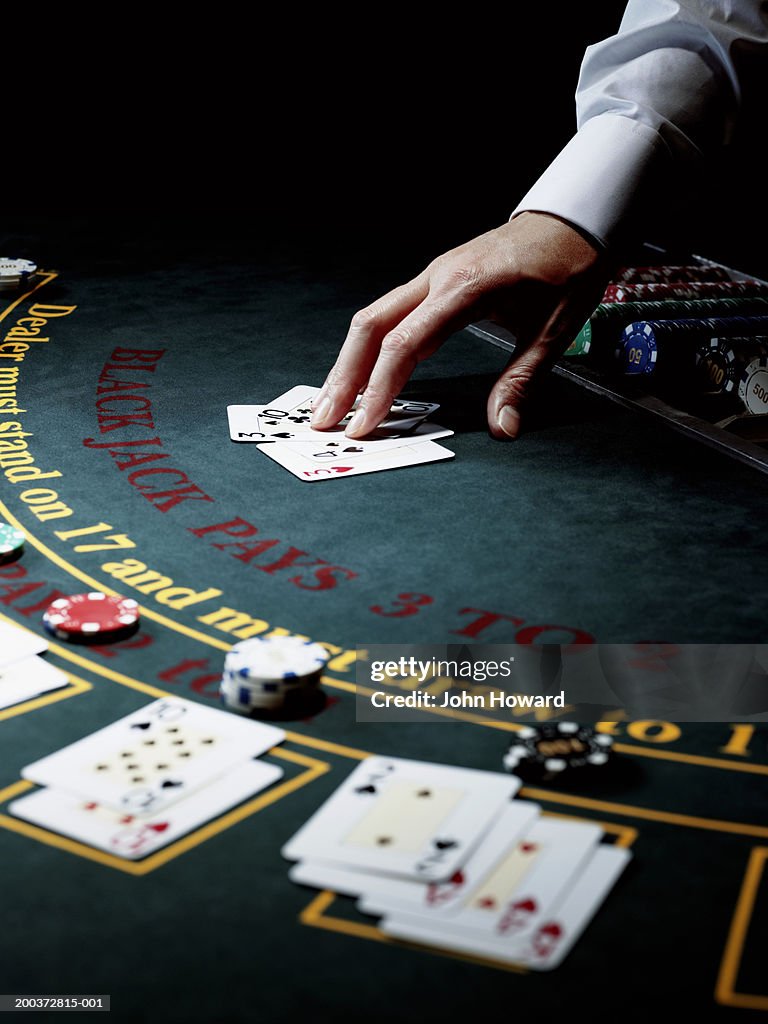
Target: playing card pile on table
(23, 674)
(149, 778)
(282, 431)
(446, 858)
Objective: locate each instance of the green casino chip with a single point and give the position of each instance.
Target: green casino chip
(11, 543)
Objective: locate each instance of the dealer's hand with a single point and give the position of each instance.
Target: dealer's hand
(535, 275)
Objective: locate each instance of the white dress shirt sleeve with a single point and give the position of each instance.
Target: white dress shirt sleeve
(651, 102)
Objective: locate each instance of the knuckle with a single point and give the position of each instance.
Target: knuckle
(375, 395)
(398, 342)
(464, 278)
(336, 379)
(364, 318)
(516, 386)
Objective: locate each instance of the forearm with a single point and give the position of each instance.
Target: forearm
(652, 101)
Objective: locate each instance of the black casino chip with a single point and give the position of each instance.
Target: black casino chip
(547, 751)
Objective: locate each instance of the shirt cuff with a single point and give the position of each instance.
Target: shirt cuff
(602, 177)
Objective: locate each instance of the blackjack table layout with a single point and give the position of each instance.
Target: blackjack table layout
(596, 525)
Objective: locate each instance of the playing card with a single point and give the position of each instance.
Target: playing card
(17, 643)
(154, 756)
(559, 931)
(346, 881)
(301, 394)
(327, 448)
(403, 414)
(404, 818)
(356, 462)
(543, 949)
(28, 678)
(260, 424)
(287, 418)
(134, 836)
(514, 880)
(516, 817)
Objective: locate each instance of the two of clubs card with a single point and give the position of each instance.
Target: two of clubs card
(446, 857)
(143, 782)
(24, 675)
(282, 431)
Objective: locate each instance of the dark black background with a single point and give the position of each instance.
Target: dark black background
(360, 138)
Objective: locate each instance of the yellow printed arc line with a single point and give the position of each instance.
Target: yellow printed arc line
(204, 638)
(93, 584)
(628, 748)
(626, 835)
(77, 686)
(357, 754)
(314, 915)
(148, 613)
(102, 670)
(154, 691)
(737, 828)
(313, 769)
(49, 276)
(725, 990)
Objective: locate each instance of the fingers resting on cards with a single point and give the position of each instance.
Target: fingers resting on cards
(536, 274)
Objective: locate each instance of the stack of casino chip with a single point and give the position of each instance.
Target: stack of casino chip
(667, 347)
(265, 674)
(664, 290)
(15, 272)
(555, 749)
(94, 617)
(678, 272)
(722, 362)
(599, 336)
(11, 543)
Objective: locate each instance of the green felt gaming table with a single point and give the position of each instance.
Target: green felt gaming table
(594, 526)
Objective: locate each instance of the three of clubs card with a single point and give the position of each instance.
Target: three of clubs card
(282, 431)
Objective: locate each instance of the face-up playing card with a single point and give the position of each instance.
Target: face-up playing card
(134, 835)
(287, 418)
(354, 463)
(542, 949)
(28, 678)
(260, 424)
(329, 448)
(515, 879)
(17, 643)
(553, 939)
(377, 891)
(403, 414)
(155, 756)
(404, 818)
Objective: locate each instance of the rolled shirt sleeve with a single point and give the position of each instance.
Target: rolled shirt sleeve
(652, 101)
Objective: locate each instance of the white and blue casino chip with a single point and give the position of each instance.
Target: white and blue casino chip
(275, 659)
(14, 273)
(263, 673)
(753, 386)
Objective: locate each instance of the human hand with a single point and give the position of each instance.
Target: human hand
(536, 275)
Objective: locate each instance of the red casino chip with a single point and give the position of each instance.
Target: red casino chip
(92, 618)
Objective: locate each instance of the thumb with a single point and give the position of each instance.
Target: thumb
(512, 390)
